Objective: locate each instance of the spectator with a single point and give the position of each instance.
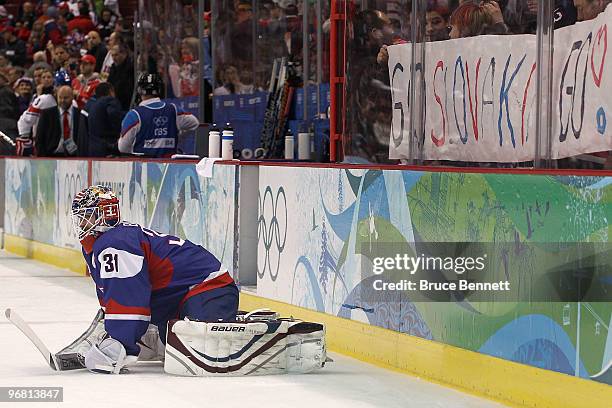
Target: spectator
(369, 96)
(47, 80)
(85, 84)
(27, 15)
(95, 47)
(114, 39)
(232, 84)
(293, 33)
(28, 122)
(4, 61)
(5, 19)
(36, 71)
(21, 32)
(58, 127)
(471, 19)
(113, 6)
(8, 109)
(14, 73)
(43, 6)
(64, 12)
(84, 136)
(61, 56)
(436, 28)
(51, 27)
(91, 10)
(242, 32)
(189, 25)
(589, 9)
(121, 75)
(107, 22)
(520, 15)
(124, 29)
(24, 90)
(82, 22)
(36, 42)
(184, 77)
(14, 48)
(104, 122)
(565, 13)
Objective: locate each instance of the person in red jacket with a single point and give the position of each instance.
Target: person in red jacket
(82, 22)
(85, 84)
(52, 31)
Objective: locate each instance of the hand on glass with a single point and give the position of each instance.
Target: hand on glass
(492, 9)
(383, 55)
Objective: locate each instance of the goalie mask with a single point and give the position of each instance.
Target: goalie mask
(95, 209)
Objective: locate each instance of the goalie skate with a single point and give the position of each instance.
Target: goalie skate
(257, 347)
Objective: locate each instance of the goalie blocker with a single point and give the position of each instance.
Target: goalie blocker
(260, 347)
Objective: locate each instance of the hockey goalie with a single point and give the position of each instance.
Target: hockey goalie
(164, 298)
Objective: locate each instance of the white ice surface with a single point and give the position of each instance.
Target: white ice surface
(60, 305)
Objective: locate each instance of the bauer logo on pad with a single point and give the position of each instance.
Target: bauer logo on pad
(227, 328)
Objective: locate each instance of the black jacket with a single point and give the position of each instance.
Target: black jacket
(9, 114)
(99, 51)
(49, 130)
(122, 79)
(104, 123)
(16, 52)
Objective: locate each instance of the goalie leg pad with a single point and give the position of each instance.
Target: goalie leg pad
(244, 348)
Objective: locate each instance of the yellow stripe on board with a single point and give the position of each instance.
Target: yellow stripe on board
(61, 257)
(510, 383)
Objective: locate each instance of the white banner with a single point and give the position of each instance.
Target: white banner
(480, 95)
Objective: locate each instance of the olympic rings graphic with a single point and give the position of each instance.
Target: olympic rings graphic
(160, 121)
(72, 185)
(269, 230)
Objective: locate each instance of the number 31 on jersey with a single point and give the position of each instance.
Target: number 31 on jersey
(116, 263)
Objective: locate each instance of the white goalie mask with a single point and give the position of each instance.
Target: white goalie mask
(95, 209)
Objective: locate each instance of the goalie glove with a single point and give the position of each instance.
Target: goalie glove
(108, 357)
(151, 346)
(24, 146)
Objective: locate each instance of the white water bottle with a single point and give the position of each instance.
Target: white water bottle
(311, 136)
(214, 142)
(227, 143)
(289, 145)
(303, 144)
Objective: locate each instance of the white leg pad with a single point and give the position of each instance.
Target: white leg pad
(244, 348)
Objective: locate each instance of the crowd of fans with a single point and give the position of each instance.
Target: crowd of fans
(378, 25)
(169, 45)
(447, 19)
(51, 46)
(248, 32)
(66, 77)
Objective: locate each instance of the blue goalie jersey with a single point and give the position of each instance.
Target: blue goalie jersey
(143, 277)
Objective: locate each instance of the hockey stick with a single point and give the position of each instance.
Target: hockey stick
(62, 361)
(7, 139)
(27, 330)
